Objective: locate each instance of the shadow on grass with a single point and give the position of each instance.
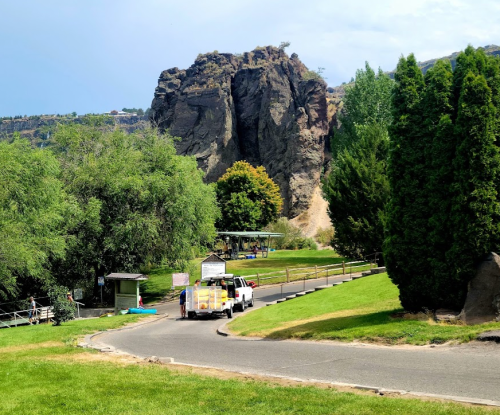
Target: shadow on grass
(369, 326)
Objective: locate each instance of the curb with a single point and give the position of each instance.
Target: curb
(87, 343)
(222, 330)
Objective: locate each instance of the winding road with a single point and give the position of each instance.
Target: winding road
(470, 372)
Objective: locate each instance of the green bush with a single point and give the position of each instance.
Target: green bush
(64, 310)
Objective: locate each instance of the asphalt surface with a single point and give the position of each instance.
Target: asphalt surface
(471, 371)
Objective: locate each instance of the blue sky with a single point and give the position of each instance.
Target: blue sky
(60, 56)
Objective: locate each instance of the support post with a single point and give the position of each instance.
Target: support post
(343, 267)
(287, 275)
(316, 271)
(258, 280)
(326, 275)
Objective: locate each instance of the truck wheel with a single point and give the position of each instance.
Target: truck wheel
(243, 305)
(250, 304)
(191, 315)
(229, 312)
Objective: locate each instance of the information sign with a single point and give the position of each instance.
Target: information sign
(180, 279)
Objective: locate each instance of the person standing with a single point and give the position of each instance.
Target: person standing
(32, 310)
(182, 302)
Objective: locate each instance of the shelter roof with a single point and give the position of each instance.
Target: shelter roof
(251, 234)
(127, 277)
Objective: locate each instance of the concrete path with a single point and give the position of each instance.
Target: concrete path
(471, 372)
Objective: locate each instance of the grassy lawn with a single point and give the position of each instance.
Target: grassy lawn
(359, 310)
(43, 373)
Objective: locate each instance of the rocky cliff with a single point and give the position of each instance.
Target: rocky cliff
(263, 107)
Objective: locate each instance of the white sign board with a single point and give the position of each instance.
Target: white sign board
(180, 279)
(78, 293)
(100, 281)
(212, 268)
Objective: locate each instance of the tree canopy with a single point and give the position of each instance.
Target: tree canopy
(443, 215)
(357, 188)
(32, 211)
(139, 202)
(248, 198)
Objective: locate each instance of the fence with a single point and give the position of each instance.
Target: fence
(318, 271)
(21, 317)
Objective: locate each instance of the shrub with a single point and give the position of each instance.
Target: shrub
(64, 310)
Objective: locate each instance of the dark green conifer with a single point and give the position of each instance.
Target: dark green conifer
(475, 210)
(440, 152)
(406, 249)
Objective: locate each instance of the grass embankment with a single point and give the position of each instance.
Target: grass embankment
(359, 310)
(43, 373)
(160, 279)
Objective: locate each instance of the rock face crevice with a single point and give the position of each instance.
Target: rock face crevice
(263, 107)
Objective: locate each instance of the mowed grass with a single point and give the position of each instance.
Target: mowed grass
(43, 373)
(358, 310)
(160, 279)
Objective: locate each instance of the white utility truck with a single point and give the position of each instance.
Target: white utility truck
(221, 295)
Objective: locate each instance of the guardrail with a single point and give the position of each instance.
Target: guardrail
(318, 271)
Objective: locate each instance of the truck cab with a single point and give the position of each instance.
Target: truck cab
(237, 288)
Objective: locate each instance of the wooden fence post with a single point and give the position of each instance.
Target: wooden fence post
(316, 271)
(258, 280)
(287, 275)
(343, 267)
(326, 275)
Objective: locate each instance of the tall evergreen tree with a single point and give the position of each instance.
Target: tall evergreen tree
(357, 190)
(357, 187)
(440, 152)
(406, 248)
(476, 209)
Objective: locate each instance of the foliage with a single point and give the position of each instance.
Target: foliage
(32, 210)
(443, 216)
(406, 214)
(283, 45)
(357, 187)
(248, 198)
(325, 235)
(366, 101)
(291, 234)
(63, 309)
(139, 202)
(357, 190)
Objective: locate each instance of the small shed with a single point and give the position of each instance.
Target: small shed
(126, 289)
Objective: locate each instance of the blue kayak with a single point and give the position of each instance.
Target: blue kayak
(142, 311)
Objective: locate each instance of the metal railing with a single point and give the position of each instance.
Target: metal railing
(318, 271)
(21, 317)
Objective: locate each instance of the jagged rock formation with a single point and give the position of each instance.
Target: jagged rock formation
(263, 107)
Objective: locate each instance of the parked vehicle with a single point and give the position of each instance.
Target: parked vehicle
(208, 300)
(251, 284)
(237, 288)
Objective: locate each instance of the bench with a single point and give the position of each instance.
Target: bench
(45, 313)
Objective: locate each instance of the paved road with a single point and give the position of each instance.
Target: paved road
(470, 371)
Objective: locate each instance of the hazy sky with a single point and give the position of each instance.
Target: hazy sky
(60, 56)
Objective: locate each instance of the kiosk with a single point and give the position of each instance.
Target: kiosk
(126, 290)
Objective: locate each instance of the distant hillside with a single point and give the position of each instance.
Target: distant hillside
(37, 128)
(425, 66)
(337, 93)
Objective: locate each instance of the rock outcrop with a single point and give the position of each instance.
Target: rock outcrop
(263, 107)
(482, 304)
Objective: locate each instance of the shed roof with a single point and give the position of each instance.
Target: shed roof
(251, 234)
(128, 277)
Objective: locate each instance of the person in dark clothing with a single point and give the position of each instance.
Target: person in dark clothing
(182, 302)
